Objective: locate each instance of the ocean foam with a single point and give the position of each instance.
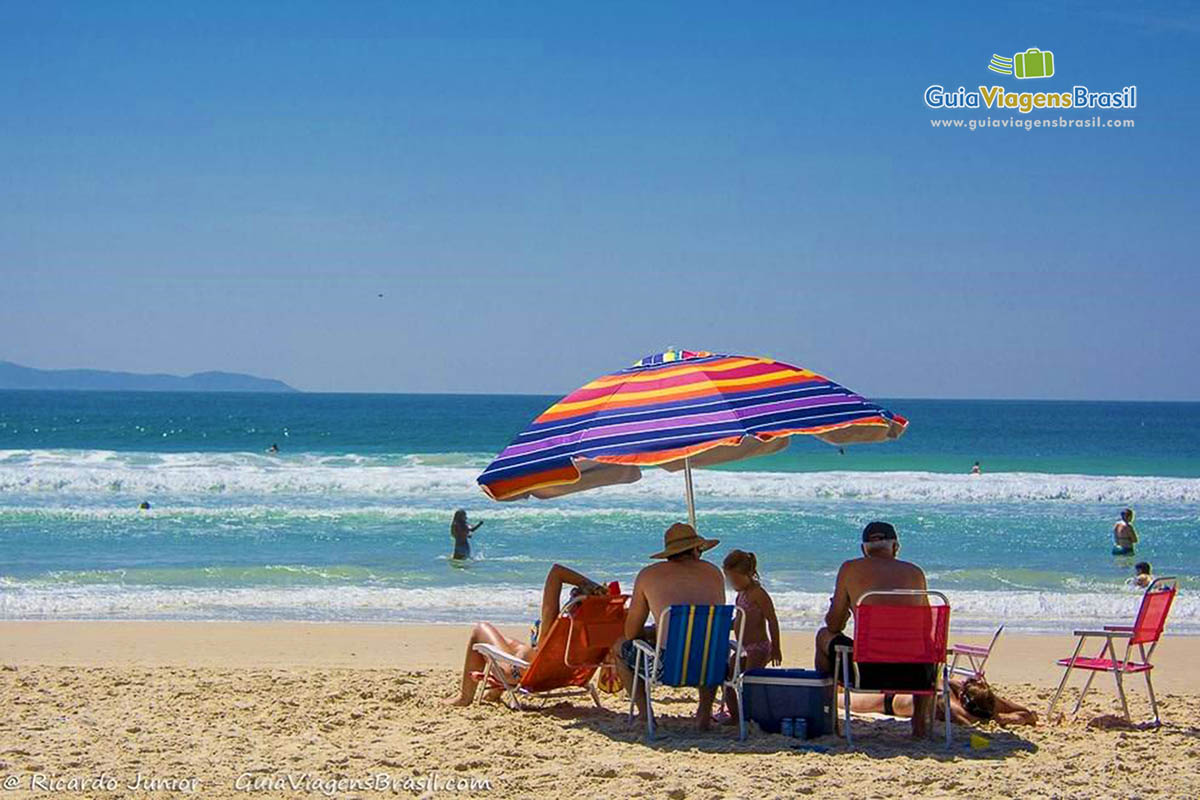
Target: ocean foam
(83, 475)
(973, 611)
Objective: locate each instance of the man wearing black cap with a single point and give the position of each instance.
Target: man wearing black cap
(877, 570)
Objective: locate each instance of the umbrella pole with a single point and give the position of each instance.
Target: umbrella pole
(691, 498)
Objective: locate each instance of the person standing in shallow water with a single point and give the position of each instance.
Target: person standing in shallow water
(461, 531)
(1124, 535)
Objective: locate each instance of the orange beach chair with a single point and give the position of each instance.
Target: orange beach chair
(567, 656)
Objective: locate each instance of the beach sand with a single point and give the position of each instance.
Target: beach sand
(226, 709)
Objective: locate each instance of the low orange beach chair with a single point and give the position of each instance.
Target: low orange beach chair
(567, 656)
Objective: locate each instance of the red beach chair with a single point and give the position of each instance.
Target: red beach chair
(567, 655)
(885, 633)
(1146, 630)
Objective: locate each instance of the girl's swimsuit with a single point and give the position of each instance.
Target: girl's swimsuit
(759, 648)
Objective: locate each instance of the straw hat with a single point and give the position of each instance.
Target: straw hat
(682, 537)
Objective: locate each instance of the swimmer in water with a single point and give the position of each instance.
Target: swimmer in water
(274, 448)
(145, 506)
(1141, 574)
(1124, 535)
(461, 531)
(976, 470)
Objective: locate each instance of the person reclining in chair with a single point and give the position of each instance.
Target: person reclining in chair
(877, 570)
(473, 664)
(683, 578)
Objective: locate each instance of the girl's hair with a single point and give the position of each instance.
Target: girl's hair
(743, 562)
(977, 698)
(460, 518)
(1142, 567)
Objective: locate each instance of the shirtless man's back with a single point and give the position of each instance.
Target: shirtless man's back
(866, 574)
(877, 570)
(690, 582)
(684, 578)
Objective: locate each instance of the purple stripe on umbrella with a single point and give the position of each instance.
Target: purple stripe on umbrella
(670, 423)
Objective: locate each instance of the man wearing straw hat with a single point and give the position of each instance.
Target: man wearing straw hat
(682, 577)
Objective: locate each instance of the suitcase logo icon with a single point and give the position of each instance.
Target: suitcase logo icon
(1033, 63)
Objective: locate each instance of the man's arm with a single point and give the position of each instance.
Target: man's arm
(639, 611)
(839, 604)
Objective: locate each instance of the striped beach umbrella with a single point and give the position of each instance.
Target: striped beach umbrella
(676, 410)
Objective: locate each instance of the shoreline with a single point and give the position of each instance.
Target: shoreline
(1017, 658)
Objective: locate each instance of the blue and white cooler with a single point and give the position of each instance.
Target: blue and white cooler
(771, 695)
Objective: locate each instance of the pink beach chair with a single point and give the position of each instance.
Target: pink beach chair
(975, 656)
(1146, 630)
(886, 633)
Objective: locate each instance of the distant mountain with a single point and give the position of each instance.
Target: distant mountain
(15, 376)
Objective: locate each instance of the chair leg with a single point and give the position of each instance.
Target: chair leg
(481, 687)
(1083, 692)
(1153, 699)
(846, 697)
(637, 671)
(1054, 700)
(1121, 692)
(646, 682)
(737, 694)
(1067, 674)
(595, 695)
(945, 704)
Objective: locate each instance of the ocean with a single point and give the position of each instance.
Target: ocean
(349, 521)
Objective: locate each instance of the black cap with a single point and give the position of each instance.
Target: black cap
(878, 531)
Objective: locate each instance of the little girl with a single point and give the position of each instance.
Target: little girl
(760, 639)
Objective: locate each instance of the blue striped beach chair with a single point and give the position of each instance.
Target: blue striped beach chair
(692, 649)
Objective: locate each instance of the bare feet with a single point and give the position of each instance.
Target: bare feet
(457, 701)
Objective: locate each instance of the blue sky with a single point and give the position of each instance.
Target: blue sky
(543, 193)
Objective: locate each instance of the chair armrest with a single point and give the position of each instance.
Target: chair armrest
(645, 647)
(1119, 628)
(1106, 633)
(968, 649)
(496, 654)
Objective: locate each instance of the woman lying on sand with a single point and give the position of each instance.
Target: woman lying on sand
(488, 633)
(971, 701)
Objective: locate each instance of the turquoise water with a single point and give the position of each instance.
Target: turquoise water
(349, 521)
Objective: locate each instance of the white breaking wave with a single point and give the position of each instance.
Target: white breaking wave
(972, 611)
(41, 475)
